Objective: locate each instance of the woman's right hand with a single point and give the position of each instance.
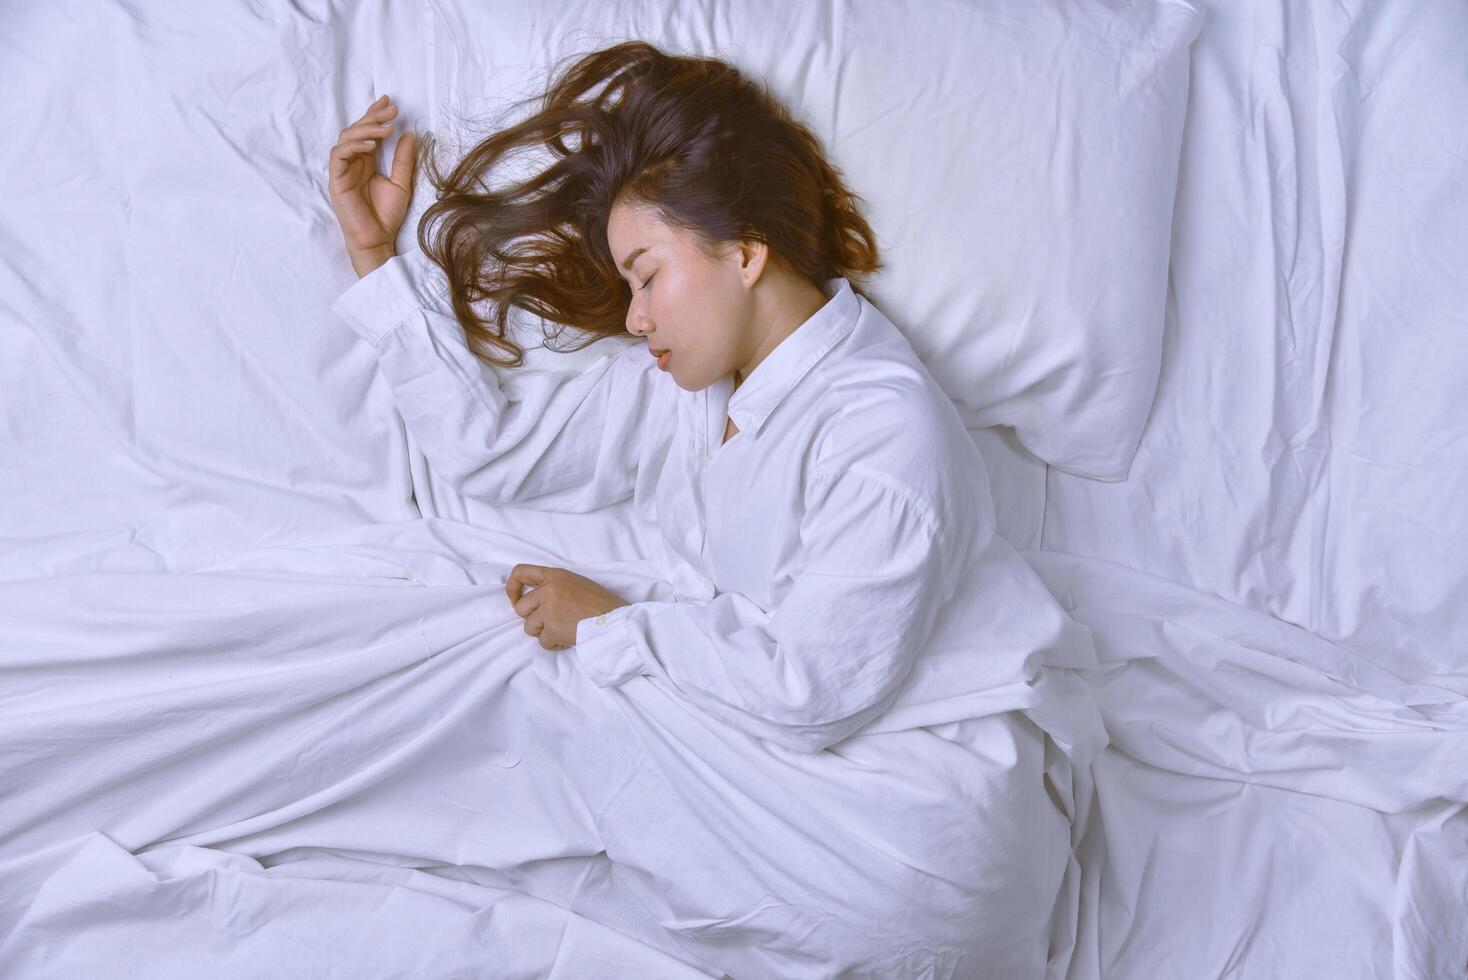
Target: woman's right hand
(370, 207)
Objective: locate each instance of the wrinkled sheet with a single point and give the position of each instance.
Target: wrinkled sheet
(215, 756)
(176, 393)
(1280, 587)
(175, 390)
(253, 648)
(307, 761)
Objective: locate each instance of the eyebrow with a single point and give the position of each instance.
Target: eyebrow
(627, 262)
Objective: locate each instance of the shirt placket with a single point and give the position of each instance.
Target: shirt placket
(690, 578)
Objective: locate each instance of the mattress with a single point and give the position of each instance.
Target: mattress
(1277, 590)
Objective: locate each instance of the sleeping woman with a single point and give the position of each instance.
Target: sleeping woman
(839, 744)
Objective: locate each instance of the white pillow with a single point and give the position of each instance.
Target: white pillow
(1018, 159)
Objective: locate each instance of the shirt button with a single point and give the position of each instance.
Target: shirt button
(706, 458)
(601, 620)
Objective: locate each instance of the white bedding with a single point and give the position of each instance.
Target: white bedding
(1281, 577)
(206, 490)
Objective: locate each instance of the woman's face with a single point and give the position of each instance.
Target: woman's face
(699, 309)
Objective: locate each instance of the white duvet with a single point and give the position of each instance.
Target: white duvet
(227, 688)
(376, 691)
(345, 757)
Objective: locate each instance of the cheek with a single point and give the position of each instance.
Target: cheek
(692, 316)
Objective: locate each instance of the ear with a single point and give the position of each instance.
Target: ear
(752, 259)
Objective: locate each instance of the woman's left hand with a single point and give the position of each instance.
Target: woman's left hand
(558, 601)
(370, 207)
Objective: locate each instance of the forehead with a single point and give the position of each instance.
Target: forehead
(630, 228)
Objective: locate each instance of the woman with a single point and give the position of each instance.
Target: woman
(836, 703)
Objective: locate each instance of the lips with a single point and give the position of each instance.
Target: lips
(658, 351)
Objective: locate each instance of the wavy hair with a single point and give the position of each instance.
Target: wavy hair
(708, 150)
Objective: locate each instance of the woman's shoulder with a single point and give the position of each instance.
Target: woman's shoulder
(883, 400)
(890, 422)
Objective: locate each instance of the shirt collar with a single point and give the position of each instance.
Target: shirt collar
(773, 378)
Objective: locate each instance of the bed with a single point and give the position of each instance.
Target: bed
(1192, 271)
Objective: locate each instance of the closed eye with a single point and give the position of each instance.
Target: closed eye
(649, 281)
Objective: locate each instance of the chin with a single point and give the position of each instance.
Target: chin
(687, 385)
(682, 380)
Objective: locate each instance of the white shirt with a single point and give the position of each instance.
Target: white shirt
(834, 565)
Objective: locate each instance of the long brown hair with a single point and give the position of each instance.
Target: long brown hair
(711, 151)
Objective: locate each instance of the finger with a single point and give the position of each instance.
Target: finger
(375, 106)
(377, 112)
(528, 603)
(352, 147)
(366, 130)
(343, 153)
(534, 625)
(402, 163)
(521, 576)
(525, 575)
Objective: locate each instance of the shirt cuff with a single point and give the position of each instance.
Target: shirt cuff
(382, 299)
(605, 648)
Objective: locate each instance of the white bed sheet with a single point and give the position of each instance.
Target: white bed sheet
(175, 390)
(177, 393)
(212, 657)
(1280, 583)
(1277, 583)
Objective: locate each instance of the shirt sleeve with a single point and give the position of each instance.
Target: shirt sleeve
(833, 655)
(566, 441)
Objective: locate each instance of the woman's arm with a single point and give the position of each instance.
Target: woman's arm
(560, 441)
(832, 656)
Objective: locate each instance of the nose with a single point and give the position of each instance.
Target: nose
(638, 322)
